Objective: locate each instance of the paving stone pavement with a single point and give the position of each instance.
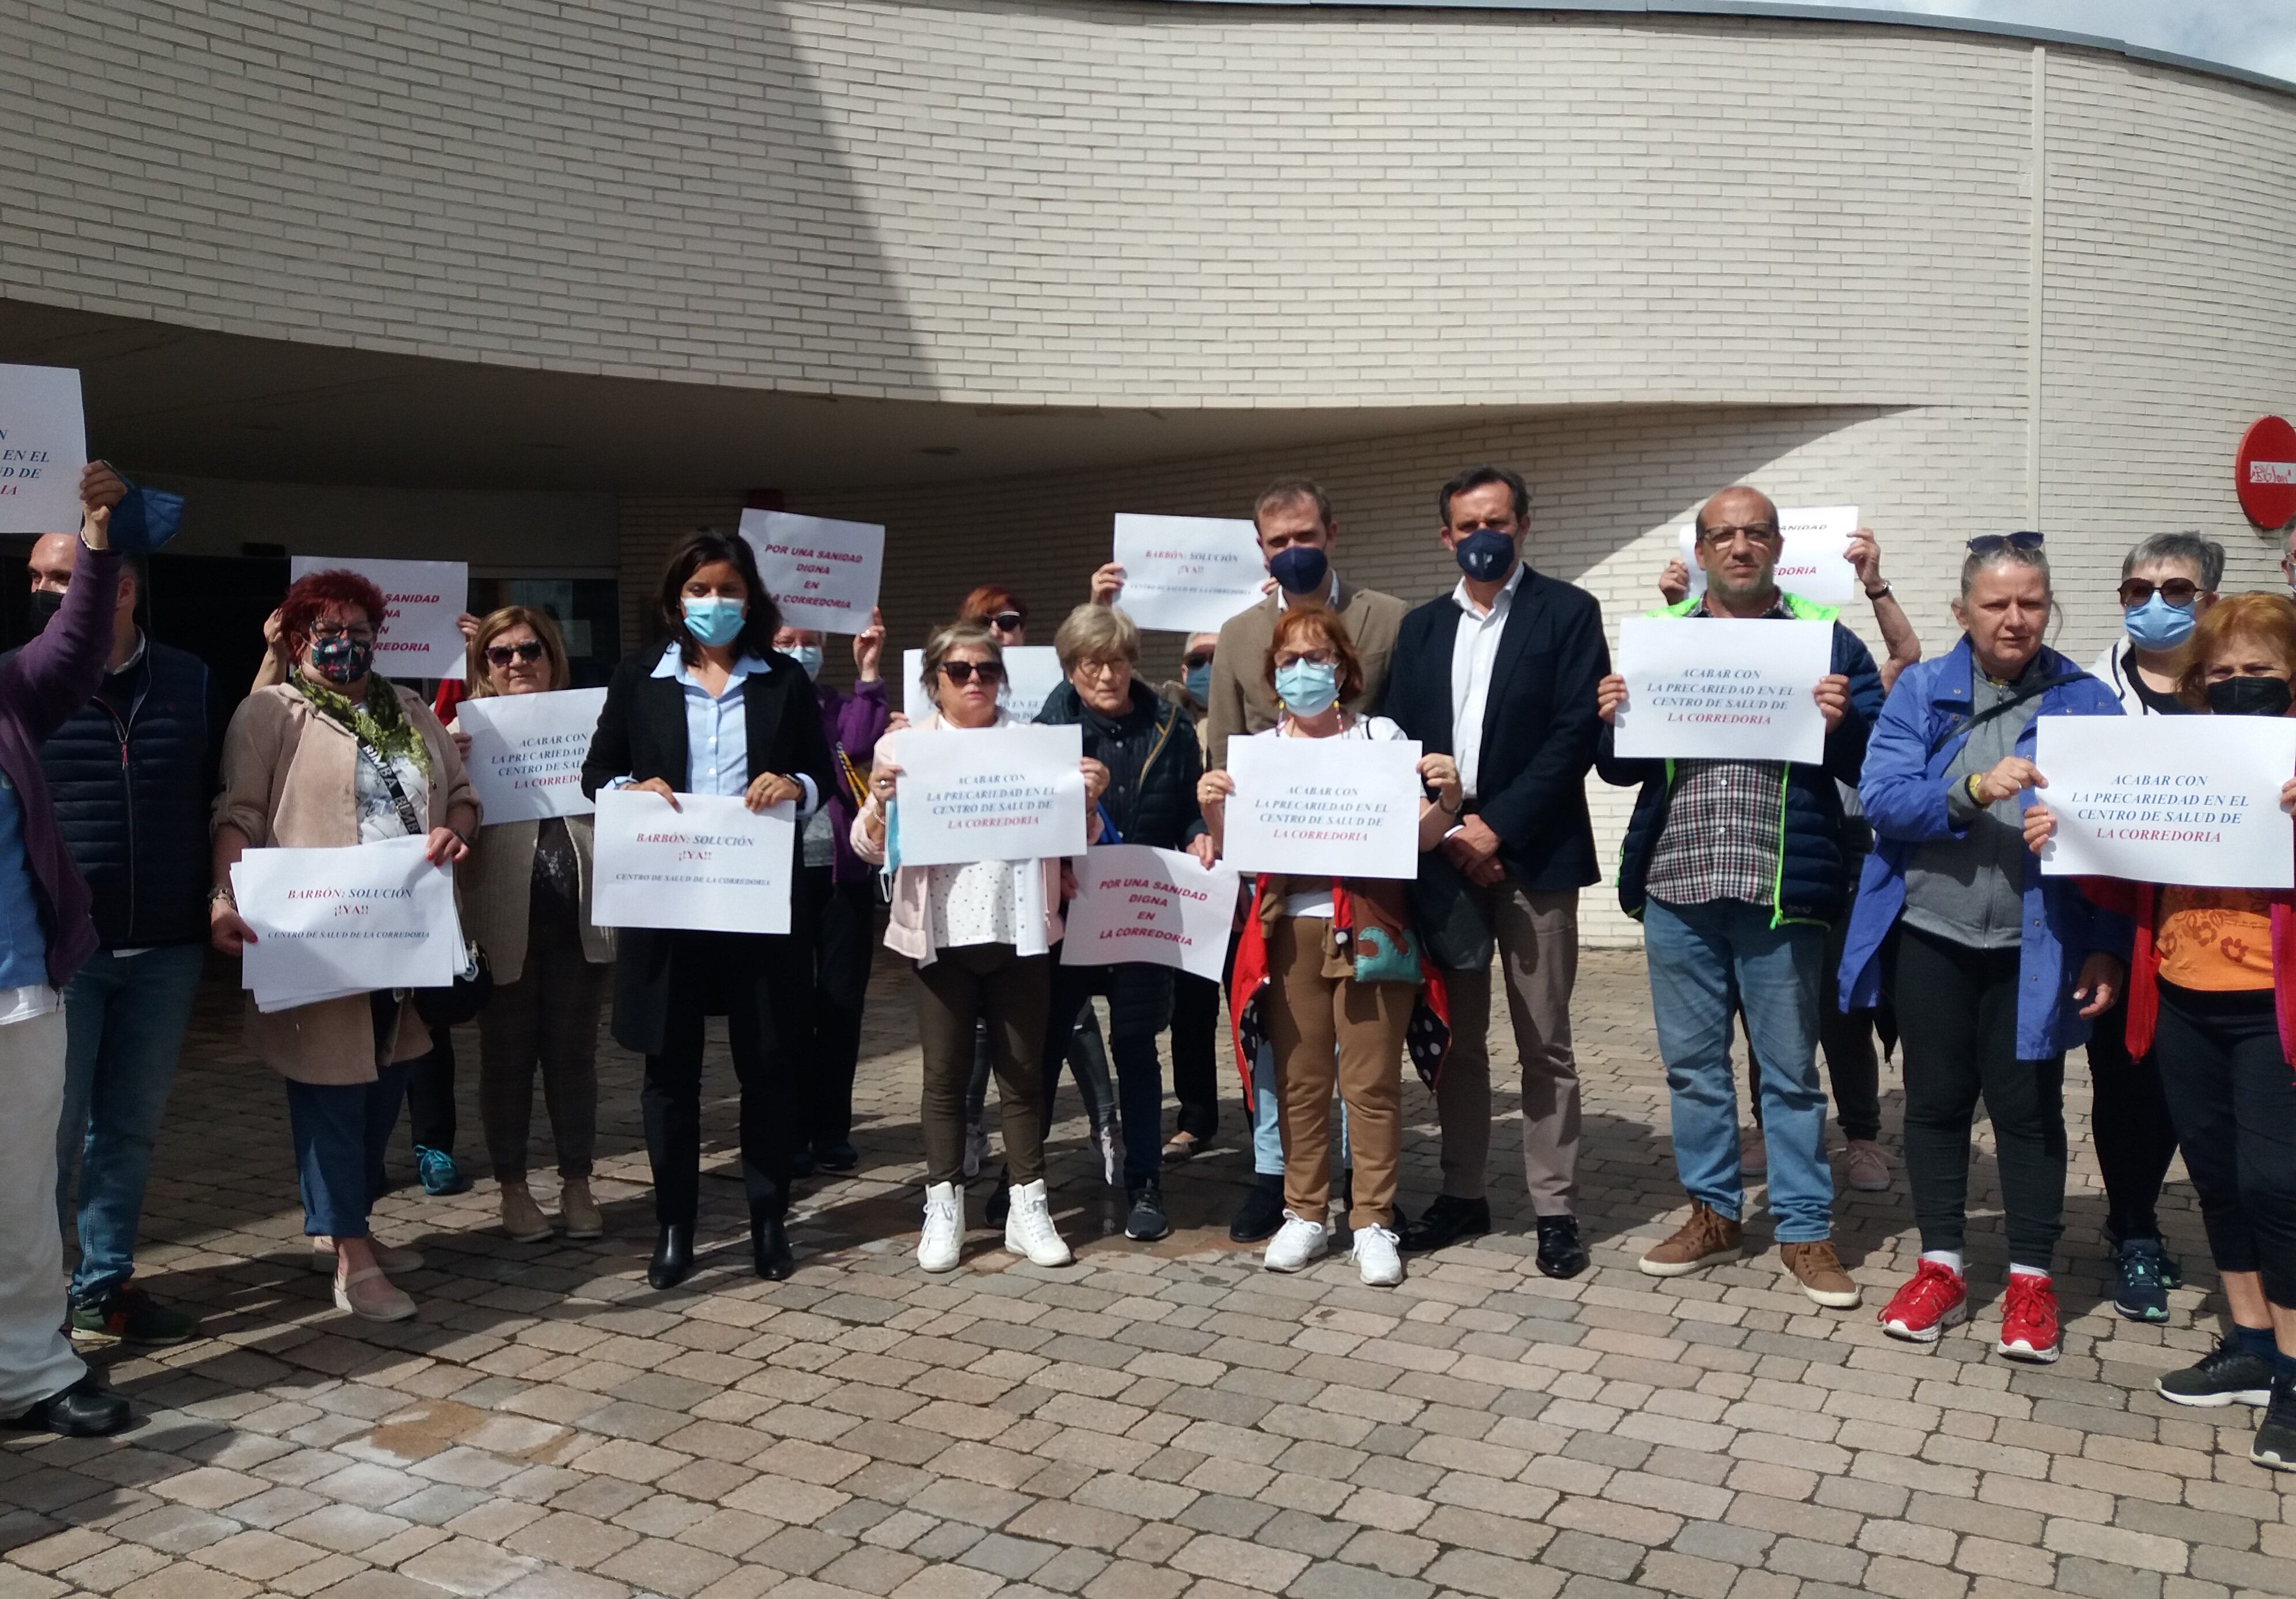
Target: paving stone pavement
(1150, 1424)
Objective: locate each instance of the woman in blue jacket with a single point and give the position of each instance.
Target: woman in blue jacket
(1995, 969)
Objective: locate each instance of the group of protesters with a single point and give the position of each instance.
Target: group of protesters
(1892, 890)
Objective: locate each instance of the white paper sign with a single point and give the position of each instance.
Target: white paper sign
(527, 750)
(989, 794)
(420, 599)
(713, 864)
(1157, 906)
(1718, 688)
(1813, 557)
(1031, 672)
(1187, 574)
(1323, 807)
(43, 447)
(822, 574)
(334, 922)
(2191, 801)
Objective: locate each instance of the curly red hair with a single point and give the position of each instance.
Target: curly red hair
(337, 588)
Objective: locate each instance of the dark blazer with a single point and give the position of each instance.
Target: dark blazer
(1540, 729)
(642, 734)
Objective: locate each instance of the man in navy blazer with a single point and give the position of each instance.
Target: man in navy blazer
(1500, 674)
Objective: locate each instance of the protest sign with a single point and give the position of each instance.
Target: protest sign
(1323, 807)
(1187, 574)
(989, 794)
(330, 923)
(1813, 555)
(1718, 688)
(822, 573)
(416, 636)
(527, 750)
(43, 447)
(1158, 907)
(1031, 672)
(2191, 800)
(713, 864)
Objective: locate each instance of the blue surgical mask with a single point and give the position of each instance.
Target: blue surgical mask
(1486, 555)
(2157, 624)
(1300, 569)
(714, 621)
(807, 656)
(1307, 688)
(1199, 680)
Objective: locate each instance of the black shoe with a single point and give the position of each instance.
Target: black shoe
(1000, 1200)
(1446, 1221)
(2275, 1449)
(672, 1256)
(1147, 1221)
(1262, 1210)
(87, 1409)
(802, 1162)
(2226, 1374)
(769, 1250)
(1560, 1252)
(837, 1157)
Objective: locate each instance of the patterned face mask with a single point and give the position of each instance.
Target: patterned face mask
(342, 658)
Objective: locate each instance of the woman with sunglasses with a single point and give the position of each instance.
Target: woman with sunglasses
(1997, 969)
(979, 934)
(526, 891)
(715, 711)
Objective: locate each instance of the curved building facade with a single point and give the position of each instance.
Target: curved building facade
(546, 286)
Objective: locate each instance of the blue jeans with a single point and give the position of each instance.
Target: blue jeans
(341, 1130)
(1694, 951)
(125, 1021)
(1266, 1136)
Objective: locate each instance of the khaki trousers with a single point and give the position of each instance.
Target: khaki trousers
(1320, 1027)
(1538, 934)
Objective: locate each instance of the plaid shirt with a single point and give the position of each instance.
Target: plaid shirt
(1723, 820)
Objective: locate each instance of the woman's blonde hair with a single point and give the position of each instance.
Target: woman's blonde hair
(480, 675)
(1096, 633)
(2256, 617)
(953, 636)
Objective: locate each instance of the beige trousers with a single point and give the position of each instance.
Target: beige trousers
(1320, 1027)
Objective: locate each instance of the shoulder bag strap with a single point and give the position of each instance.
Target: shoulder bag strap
(1972, 724)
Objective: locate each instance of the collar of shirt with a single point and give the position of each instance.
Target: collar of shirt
(1331, 595)
(1776, 612)
(670, 665)
(142, 641)
(1499, 601)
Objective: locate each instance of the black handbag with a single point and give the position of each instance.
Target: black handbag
(462, 1000)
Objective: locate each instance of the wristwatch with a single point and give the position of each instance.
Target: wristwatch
(222, 893)
(1882, 593)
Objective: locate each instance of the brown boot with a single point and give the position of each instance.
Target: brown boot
(1819, 1269)
(1708, 1238)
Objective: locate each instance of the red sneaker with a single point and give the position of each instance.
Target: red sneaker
(1935, 1299)
(2028, 1320)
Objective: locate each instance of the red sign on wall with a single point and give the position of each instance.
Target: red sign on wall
(2264, 472)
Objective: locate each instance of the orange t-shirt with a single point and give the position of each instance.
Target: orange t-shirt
(2217, 940)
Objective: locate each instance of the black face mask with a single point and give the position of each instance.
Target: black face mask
(2250, 697)
(46, 604)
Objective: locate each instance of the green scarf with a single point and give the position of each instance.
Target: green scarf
(380, 721)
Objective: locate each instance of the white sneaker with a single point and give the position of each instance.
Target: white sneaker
(1029, 1227)
(944, 1234)
(976, 1148)
(1377, 1258)
(1296, 1242)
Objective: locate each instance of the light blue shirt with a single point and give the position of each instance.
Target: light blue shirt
(23, 943)
(718, 732)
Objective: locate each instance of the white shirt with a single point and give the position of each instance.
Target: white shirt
(1331, 595)
(1474, 649)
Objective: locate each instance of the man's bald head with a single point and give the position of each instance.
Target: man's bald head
(1741, 506)
(1737, 548)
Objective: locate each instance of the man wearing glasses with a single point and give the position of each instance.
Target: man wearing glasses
(1735, 870)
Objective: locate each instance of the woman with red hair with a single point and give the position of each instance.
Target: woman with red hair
(336, 755)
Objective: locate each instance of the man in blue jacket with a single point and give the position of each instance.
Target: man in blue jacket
(130, 775)
(1736, 869)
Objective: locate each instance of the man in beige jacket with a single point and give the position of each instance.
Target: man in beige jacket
(1297, 535)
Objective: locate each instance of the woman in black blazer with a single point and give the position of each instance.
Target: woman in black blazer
(714, 711)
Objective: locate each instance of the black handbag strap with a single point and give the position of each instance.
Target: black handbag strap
(2031, 692)
(406, 816)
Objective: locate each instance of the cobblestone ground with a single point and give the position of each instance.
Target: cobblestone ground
(1150, 1424)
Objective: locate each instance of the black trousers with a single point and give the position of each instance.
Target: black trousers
(2234, 1098)
(845, 924)
(703, 964)
(1195, 1052)
(2130, 1124)
(1139, 1007)
(430, 1094)
(1957, 1010)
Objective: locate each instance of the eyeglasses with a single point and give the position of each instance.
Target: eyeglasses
(1103, 668)
(1195, 662)
(502, 655)
(1993, 543)
(1755, 532)
(961, 672)
(1008, 621)
(333, 630)
(2179, 592)
(1313, 657)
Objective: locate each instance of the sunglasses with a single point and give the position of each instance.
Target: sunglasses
(961, 672)
(1993, 543)
(1008, 621)
(1191, 662)
(502, 655)
(2179, 592)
